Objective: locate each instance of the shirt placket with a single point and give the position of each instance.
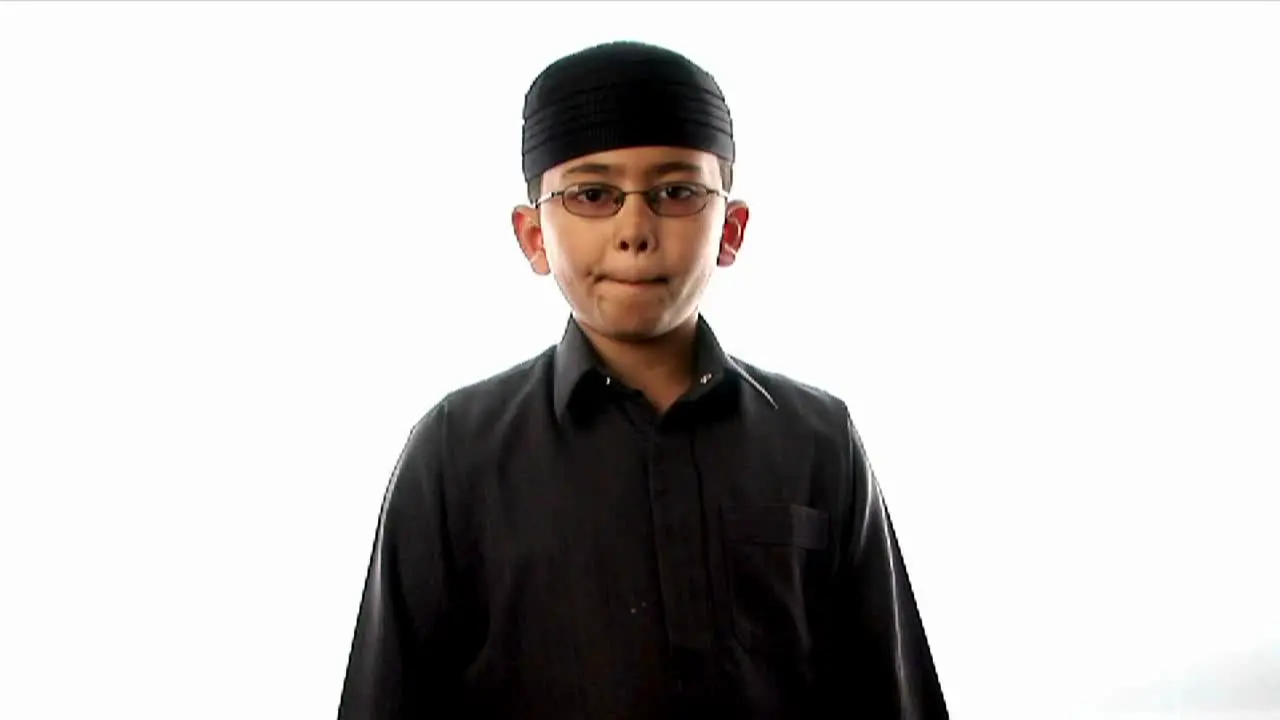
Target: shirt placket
(675, 499)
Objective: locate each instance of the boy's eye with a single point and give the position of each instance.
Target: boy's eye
(676, 191)
(591, 195)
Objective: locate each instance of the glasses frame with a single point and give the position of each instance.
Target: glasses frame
(649, 195)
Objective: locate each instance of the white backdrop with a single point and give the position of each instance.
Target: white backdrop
(246, 246)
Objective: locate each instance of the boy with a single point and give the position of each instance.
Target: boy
(635, 524)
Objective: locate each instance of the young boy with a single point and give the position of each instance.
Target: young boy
(635, 524)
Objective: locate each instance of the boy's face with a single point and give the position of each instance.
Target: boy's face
(634, 275)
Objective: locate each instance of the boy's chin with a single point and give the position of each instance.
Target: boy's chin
(632, 328)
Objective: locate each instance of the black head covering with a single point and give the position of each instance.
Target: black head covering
(618, 95)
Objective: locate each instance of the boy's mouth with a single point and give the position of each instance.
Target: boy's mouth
(636, 280)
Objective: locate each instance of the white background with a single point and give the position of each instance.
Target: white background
(245, 246)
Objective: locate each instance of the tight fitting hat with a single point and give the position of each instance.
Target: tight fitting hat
(619, 95)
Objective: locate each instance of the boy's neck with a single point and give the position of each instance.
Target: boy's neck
(662, 367)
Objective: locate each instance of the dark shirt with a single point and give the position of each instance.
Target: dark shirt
(551, 547)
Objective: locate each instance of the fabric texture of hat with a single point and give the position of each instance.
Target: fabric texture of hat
(619, 95)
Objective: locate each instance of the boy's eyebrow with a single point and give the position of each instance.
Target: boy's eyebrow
(592, 169)
(675, 166)
(666, 168)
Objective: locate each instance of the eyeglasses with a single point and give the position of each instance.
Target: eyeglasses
(598, 200)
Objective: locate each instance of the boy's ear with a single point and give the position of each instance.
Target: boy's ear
(526, 224)
(734, 232)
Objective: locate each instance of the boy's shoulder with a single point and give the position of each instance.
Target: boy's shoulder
(501, 393)
(793, 397)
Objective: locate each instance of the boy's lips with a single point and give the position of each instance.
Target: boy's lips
(636, 280)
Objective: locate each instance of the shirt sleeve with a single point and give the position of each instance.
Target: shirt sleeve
(876, 662)
(403, 659)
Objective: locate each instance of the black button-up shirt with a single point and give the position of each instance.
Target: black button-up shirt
(551, 547)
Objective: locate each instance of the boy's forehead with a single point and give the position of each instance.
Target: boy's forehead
(639, 161)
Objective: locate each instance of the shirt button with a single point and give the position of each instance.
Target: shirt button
(705, 378)
(608, 380)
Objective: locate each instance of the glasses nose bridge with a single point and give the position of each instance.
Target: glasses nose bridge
(645, 198)
(635, 227)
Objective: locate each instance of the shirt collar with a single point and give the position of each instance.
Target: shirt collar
(575, 359)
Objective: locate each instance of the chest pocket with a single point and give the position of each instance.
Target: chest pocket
(770, 555)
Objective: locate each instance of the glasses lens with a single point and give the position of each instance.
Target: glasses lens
(592, 200)
(678, 199)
